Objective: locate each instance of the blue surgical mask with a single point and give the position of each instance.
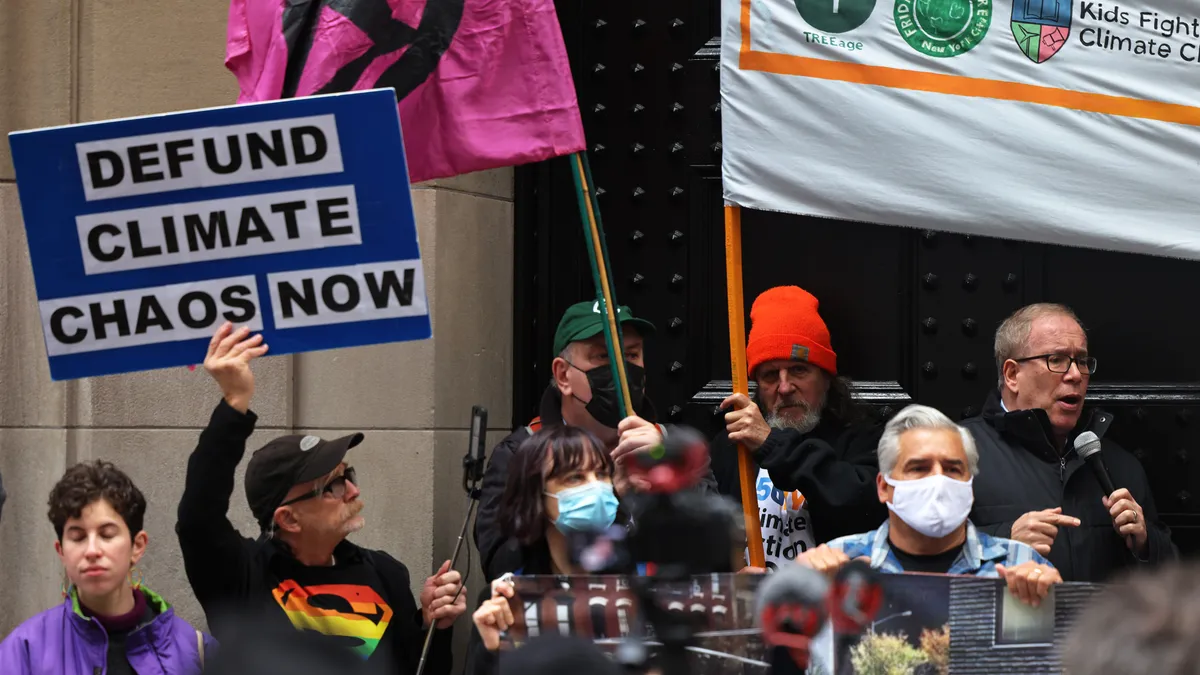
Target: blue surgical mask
(586, 508)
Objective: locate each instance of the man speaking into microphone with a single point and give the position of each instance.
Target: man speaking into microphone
(1033, 485)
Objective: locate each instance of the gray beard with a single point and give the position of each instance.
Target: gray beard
(804, 424)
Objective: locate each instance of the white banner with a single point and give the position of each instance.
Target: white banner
(1063, 121)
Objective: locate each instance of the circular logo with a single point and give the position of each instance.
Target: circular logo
(835, 16)
(943, 28)
(309, 442)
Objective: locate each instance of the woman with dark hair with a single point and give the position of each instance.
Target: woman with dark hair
(108, 622)
(559, 483)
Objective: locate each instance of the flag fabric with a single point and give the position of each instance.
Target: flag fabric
(1073, 122)
(481, 83)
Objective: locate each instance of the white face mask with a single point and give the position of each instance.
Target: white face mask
(935, 505)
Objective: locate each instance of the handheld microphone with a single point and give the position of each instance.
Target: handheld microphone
(476, 458)
(1087, 446)
(791, 608)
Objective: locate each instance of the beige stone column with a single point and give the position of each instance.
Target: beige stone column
(64, 61)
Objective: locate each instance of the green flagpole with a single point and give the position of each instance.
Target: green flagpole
(593, 234)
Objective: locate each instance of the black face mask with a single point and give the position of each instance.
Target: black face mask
(604, 407)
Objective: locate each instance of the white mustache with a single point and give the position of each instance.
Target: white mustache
(803, 405)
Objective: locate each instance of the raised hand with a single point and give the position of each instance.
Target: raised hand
(441, 600)
(745, 422)
(636, 435)
(1128, 519)
(495, 616)
(824, 559)
(1029, 582)
(228, 361)
(1039, 528)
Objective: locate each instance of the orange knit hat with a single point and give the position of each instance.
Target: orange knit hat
(784, 324)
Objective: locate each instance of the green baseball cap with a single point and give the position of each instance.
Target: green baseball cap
(585, 320)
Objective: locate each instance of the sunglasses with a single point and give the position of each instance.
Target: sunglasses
(335, 488)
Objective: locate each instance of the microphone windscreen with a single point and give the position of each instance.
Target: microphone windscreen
(478, 430)
(793, 584)
(1087, 444)
(856, 597)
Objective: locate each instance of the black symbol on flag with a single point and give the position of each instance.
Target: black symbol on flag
(423, 45)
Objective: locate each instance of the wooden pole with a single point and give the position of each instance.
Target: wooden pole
(601, 276)
(747, 473)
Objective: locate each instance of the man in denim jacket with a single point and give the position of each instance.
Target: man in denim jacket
(926, 467)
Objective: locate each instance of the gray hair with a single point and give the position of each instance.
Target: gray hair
(1146, 624)
(1013, 335)
(920, 417)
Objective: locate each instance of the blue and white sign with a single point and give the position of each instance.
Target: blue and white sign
(292, 217)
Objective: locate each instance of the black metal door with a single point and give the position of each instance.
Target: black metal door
(912, 313)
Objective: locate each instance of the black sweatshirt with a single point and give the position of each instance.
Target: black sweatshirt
(364, 601)
(1021, 470)
(834, 467)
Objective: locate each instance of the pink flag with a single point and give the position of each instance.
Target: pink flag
(481, 83)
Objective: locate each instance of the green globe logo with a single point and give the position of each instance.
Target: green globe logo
(943, 28)
(835, 16)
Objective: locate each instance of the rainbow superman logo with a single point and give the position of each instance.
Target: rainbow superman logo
(355, 616)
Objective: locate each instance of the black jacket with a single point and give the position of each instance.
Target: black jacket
(1021, 471)
(489, 540)
(833, 466)
(232, 574)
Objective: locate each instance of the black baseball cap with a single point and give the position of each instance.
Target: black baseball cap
(287, 461)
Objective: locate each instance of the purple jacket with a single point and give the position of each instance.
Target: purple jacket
(62, 641)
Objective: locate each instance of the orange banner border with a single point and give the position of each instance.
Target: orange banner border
(956, 85)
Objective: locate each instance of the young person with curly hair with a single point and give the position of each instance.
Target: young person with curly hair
(108, 622)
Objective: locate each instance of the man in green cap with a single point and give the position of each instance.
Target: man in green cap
(581, 394)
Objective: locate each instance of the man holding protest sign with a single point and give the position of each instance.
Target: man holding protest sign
(927, 464)
(814, 450)
(306, 502)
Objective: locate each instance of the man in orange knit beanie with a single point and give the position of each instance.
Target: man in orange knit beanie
(814, 449)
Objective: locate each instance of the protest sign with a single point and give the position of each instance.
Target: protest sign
(927, 624)
(291, 217)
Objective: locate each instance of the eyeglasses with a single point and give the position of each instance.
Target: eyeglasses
(1061, 363)
(335, 488)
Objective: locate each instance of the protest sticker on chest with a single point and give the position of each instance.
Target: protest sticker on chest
(291, 217)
